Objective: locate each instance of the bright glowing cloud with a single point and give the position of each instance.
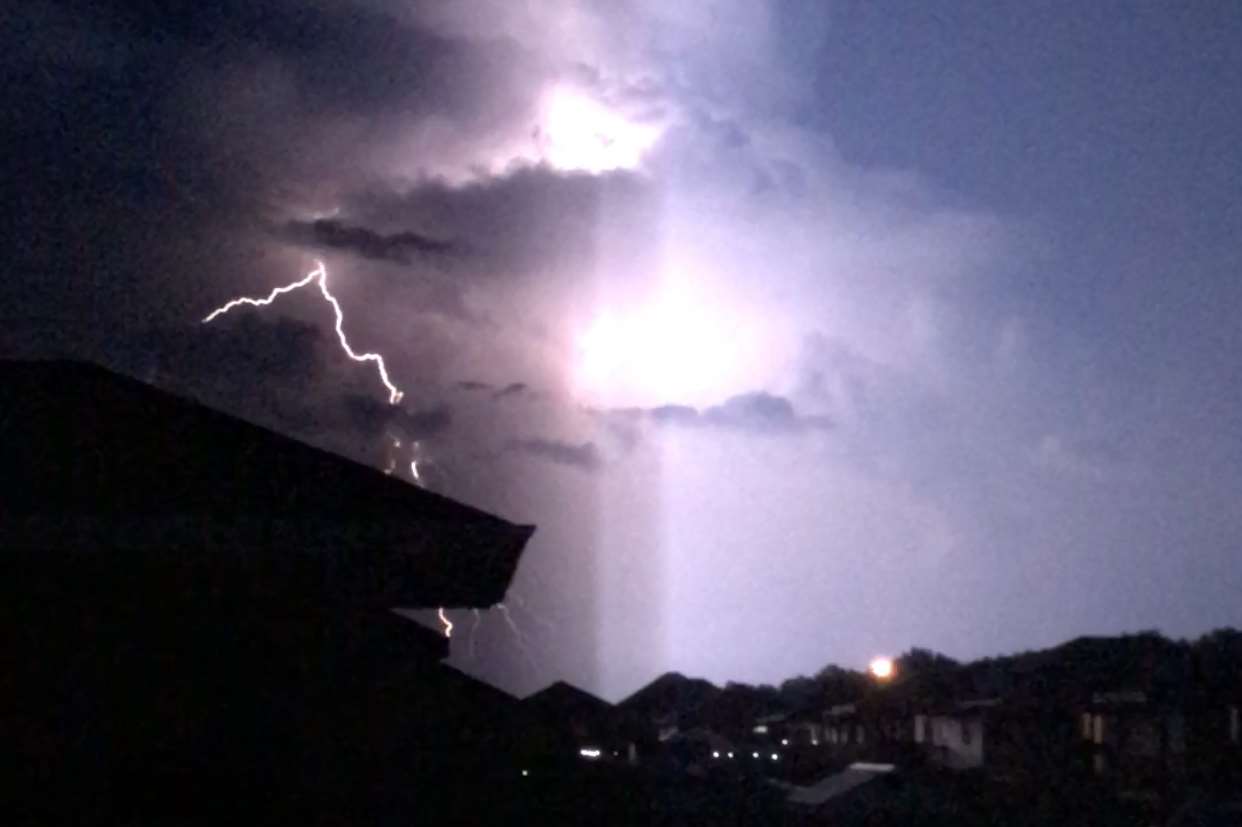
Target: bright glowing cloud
(675, 347)
(578, 132)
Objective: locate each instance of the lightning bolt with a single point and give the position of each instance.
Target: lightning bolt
(318, 276)
(521, 604)
(474, 628)
(517, 635)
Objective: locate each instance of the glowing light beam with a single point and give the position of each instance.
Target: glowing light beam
(318, 276)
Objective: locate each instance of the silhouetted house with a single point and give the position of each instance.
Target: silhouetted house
(700, 751)
(581, 725)
(955, 736)
(773, 728)
(197, 618)
(1214, 741)
(844, 728)
(1136, 740)
(670, 704)
(806, 729)
(1012, 739)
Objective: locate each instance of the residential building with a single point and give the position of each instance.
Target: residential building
(955, 737)
(581, 725)
(1135, 739)
(198, 618)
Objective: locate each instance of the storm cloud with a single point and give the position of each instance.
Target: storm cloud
(813, 312)
(395, 247)
(585, 455)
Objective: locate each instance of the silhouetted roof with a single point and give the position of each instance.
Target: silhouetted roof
(565, 698)
(671, 692)
(90, 458)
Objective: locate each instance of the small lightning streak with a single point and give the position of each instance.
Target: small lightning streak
(518, 636)
(320, 276)
(474, 628)
(448, 624)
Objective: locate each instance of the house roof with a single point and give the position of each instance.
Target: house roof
(836, 785)
(565, 698)
(671, 693)
(91, 457)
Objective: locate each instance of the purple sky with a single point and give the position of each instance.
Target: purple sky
(805, 331)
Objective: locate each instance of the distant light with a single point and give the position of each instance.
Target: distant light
(761, 729)
(814, 742)
(590, 752)
(775, 757)
(784, 742)
(715, 754)
(881, 668)
(525, 773)
(730, 755)
(755, 754)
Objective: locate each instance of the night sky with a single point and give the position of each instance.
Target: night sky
(805, 331)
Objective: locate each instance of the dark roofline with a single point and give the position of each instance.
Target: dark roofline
(395, 486)
(565, 689)
(407, 546)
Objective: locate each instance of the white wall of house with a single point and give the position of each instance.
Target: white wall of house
(959, 740)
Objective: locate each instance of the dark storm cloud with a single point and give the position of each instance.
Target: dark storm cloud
(761, 412)
(373, 416)
(471, 385)
(675, 415)
(583, 455)
(533, 220)
(398, 248)
(512, 389)
(757, 412)
(261, 347)
(349, 57)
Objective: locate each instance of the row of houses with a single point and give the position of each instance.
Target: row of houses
(1138, 741)
(1132, 738)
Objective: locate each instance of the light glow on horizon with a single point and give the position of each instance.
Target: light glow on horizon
(881, 668)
